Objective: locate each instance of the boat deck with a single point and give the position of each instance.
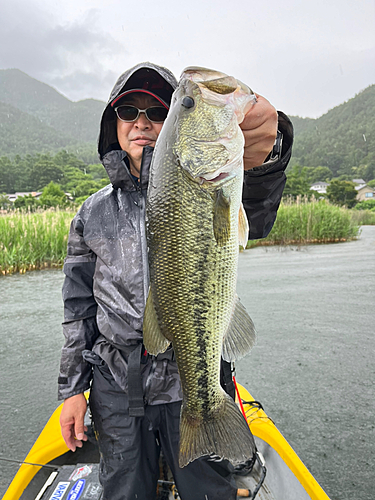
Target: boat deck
(278, 472)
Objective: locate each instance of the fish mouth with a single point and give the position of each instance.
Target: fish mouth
(215, 178)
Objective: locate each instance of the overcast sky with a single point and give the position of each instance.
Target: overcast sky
(304, 56)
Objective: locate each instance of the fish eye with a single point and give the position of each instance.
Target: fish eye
(188, 102)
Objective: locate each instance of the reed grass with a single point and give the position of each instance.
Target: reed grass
(38, 240)
(304, 222)
(363, 217)
(33, 240)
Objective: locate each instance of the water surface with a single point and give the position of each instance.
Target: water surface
(312, 367)
(31, 314)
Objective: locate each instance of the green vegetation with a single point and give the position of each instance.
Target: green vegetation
(49, 145)
(366, 205)
(335, 148)
(304, 222)
(37, 123)
(342, 139)
(342, 193)
(298, 182)
(64, 172)
(53, 196)
(36, 240)
(33, 240)
(28, 202)
(35, 118)
(363, 217)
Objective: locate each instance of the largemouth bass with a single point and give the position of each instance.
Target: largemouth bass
(195, 223)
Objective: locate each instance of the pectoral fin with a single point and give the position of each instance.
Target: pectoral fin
(240, 335)
(153, 339)
(243, 227)
(221, 219)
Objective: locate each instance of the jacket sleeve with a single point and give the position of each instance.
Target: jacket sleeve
(264, 185)
(79, 327)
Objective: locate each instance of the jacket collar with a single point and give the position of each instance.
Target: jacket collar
(116, 163)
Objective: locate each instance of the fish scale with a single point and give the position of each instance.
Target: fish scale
(192, 228)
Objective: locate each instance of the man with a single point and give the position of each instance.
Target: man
(135, 398)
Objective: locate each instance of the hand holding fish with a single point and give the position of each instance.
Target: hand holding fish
(259, 128)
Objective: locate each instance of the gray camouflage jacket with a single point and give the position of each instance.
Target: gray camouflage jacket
(106, 268)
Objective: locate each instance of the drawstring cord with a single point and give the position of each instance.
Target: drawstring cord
(239, 398)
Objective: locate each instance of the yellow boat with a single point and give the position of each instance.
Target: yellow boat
(52, 472)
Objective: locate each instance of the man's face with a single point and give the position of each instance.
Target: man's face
(134, 136)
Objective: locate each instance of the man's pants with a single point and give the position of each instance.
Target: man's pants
(130, 447)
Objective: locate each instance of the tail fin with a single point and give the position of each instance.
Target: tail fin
(225, 434)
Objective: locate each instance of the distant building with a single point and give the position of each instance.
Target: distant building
(13, 197)
(320, 187)
(360, 183)
(365, 192)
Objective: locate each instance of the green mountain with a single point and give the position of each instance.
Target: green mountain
(23, 133)
(302, 124)
(342, 139)
(41, 119)
(35, 118)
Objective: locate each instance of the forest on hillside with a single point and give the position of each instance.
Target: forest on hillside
(343, 140)
(46, 138)
(66, 176)
(35, 118)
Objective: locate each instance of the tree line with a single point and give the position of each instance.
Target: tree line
(62, 178)
(342, 139)
(340, 191)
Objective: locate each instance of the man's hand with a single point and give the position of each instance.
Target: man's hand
(72, 421)
(259, 128)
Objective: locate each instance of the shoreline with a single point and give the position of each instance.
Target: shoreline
(38, 240)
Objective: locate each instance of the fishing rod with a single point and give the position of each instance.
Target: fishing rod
(22, 462)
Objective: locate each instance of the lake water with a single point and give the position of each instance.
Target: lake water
(312, 367)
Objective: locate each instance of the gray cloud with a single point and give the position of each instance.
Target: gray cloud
(325, 80)
(67, 56)
(304, 57)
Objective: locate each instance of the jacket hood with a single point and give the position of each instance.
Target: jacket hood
(129, 80)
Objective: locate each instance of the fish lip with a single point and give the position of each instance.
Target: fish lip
(221, 176)
(216, 182)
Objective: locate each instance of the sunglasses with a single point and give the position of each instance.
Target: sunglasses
(155, 114)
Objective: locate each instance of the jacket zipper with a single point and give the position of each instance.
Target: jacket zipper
(146, 276)
(141, 204)
(142, 225)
